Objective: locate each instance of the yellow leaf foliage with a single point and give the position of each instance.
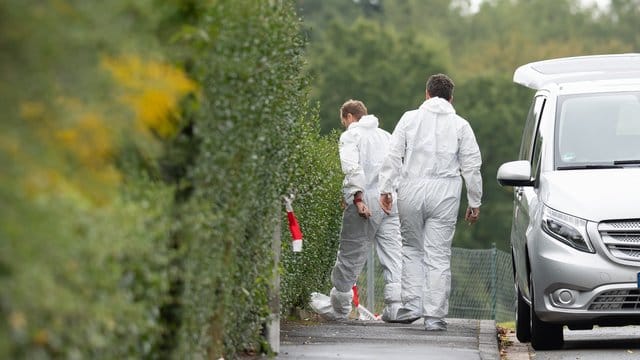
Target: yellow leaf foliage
(90, 141)
(152, 89)
(81, 136)
(84, 145)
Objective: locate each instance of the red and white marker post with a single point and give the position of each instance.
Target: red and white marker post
(294, 227)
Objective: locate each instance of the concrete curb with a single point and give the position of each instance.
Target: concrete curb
(488, 340)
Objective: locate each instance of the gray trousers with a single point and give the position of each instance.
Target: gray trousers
(356, 237)
(428, 212)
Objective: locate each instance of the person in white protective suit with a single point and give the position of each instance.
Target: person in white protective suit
(363, 147)
(430, 148)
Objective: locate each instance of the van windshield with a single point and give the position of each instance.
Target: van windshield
(598, 130)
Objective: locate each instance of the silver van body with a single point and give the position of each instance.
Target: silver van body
(575, 235)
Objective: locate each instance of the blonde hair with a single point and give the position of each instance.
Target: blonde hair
(353, 107)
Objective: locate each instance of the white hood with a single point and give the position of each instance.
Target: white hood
(595, 195)
(367, 121)
(362, 149)
(438, 106)
(433, 142)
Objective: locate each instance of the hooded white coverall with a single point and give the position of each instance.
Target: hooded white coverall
(430, 148)
(363, 147)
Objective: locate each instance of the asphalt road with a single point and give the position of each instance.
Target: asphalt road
(464, 339)
(598, 344)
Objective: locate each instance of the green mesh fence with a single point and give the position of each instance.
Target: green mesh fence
(481, 285)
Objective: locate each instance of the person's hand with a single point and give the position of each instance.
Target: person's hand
(472, 215)
(363, 210)
(386, 201)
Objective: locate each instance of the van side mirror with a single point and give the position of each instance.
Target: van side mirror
(515, 173)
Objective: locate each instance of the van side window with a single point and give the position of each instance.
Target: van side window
(531, 129)
(535, 160)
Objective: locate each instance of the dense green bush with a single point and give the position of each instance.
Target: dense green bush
(83, 228)
(317, 182)
(367, 60)
(138, 205)
(86, 283)
(258, 140)
(496, 109)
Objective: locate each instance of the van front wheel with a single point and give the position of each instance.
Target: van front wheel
(544, 335)
(523, 318)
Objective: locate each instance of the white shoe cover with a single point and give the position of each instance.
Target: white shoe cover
(321, 304)
(435, 324)
(390, 311)
(341, 301)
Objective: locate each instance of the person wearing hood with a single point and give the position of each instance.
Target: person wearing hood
(432, 150)
(363, 147)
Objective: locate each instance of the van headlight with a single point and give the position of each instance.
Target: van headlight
(566, 228)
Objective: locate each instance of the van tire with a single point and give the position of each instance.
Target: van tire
(523, 318)
(544, 335)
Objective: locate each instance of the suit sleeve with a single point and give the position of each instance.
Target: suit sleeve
(390, 170)
(470, 163)
(354, 179)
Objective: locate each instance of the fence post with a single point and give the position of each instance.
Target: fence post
(273, 321)
(371, 280)
(494, 280)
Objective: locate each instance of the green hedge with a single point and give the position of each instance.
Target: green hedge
(83, 229)
(80, 282)
(258, 139)
(318, 181)
(131, 228)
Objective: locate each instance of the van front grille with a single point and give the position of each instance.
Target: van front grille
(623, 225)
(622, 238)
(622, 300)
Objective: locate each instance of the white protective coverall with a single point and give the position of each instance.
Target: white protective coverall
(430, 148)
(363, 147)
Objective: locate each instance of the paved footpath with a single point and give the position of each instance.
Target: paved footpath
(357, 339)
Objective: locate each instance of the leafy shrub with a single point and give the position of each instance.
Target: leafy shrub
(257, 140)
(317, 180)
(137, 204)
(84, 226)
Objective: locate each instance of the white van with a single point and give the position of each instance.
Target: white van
(575, 237)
